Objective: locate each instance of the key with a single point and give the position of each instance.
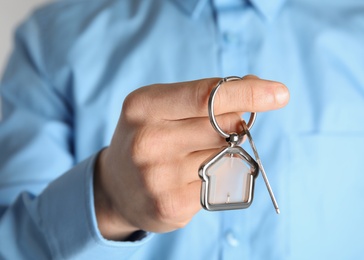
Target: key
(228, 177)
(252, 144)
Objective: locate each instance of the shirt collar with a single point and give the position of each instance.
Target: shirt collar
(268, 8)
(191, 7)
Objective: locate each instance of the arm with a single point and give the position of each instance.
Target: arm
(134, 188)
(35, 149)
(59, 223)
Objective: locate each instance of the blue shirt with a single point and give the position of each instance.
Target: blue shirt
(75, 61)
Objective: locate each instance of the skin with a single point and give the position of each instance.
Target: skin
(147, 179)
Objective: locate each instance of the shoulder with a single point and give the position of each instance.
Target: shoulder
(57, 28)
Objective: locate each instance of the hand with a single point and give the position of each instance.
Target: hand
(147, 179)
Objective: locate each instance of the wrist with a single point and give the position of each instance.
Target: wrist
(110, 223)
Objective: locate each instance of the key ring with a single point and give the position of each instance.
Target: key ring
(212, 117)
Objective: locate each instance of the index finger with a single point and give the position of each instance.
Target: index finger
(190, 99)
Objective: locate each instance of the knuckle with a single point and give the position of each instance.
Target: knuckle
(252, 98)
(142, 143)
(248, 96)
(165, 209)
(129, 108)
(138, 144)
(148, 145)
(170, 212)
(134, 107)
(149, 181)
(250, 76)
(202, 94)
(230, 122)
(178, 224)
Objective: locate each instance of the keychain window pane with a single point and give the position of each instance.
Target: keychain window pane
(230, 181)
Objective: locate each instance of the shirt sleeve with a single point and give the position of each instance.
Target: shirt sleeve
(60, 223)
(46, 197)
(36, 129)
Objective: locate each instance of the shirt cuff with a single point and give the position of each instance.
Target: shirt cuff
(68, 219)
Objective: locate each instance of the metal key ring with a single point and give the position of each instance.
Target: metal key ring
(212, 117)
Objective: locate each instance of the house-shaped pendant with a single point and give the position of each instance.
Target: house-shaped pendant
(228, 179)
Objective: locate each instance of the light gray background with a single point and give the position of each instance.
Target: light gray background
(12, 12)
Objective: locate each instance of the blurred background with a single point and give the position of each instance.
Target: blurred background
(12, 12)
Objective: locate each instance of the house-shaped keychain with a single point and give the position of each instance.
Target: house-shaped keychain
(228, 179)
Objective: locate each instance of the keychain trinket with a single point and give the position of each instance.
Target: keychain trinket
(228, 177)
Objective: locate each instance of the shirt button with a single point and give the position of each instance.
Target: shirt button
(231, 38)
(231, 239)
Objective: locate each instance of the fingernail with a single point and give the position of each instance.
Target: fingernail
(281, 94)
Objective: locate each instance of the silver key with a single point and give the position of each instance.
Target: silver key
(228, 177)
(252, 144)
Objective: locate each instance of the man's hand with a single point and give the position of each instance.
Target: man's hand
(147, 179)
